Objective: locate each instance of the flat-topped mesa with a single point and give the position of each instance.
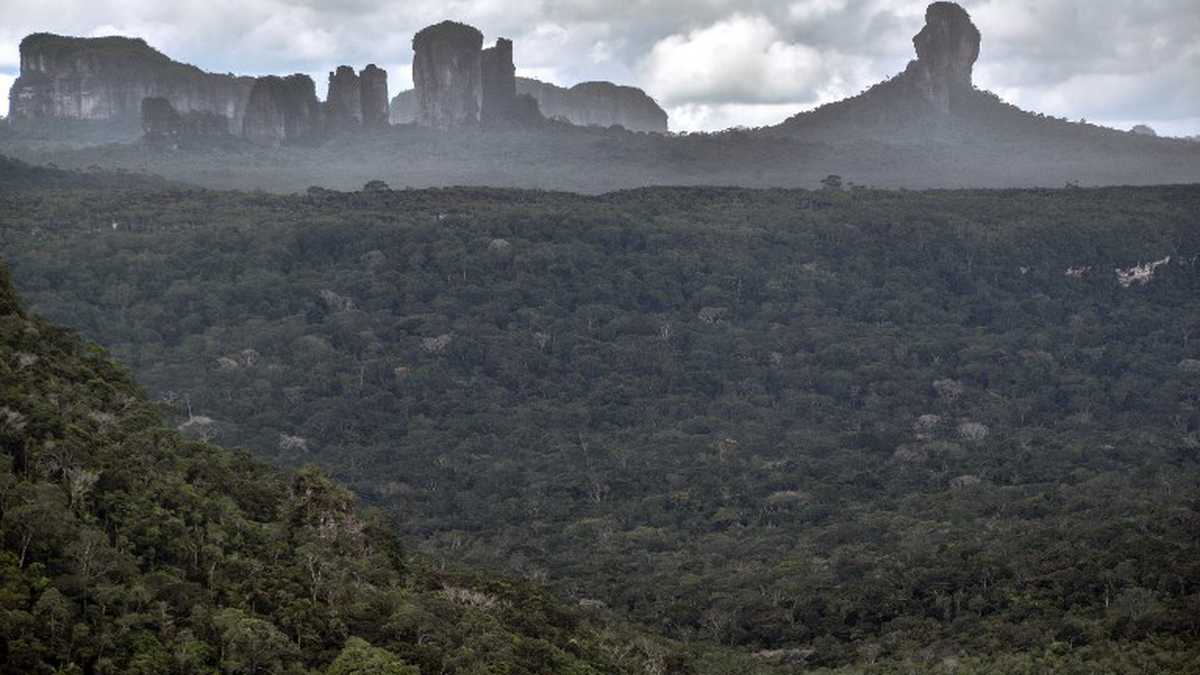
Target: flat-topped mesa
(374, 103)
(446, 75)
(107, 78)
(601, 104)
(947, 48)
(282, 110)
(343, 106)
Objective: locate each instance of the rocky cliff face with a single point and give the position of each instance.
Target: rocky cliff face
(343, 106)
(947, 48)
(282, 110)
(499, 103)
(374, 96)
(107, 79)
(597, 104)
(446, 75)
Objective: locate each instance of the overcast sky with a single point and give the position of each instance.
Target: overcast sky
(711, 63)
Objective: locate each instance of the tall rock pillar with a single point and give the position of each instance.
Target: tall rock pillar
(947, 48)
(498, 84)
(343, 107)
(446, 75)
(374, 96)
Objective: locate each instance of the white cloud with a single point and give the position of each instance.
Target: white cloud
(714, 117)
(740, 59)
(6, 82)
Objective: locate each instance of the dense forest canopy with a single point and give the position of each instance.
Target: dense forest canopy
(836, 427)
(125, 548)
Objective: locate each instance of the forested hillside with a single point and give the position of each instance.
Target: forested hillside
(125, 548)
(835, 427)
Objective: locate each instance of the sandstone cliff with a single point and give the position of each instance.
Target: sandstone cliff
(343, 105)
(282, 110)
(374, 96)
(597, 104)
(446, 75)
(107, 79)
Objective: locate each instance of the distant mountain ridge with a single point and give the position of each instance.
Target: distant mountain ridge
(479, 124)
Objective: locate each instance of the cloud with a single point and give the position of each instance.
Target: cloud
(6, 82)
(708, 61)
(740, 59)
(709, 117)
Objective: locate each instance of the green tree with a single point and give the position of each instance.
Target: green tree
(358, 657)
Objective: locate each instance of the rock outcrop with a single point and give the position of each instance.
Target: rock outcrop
(932, 98)
(107, 79)
(343, 105)
(597, 104)
(499, 105)
(947, 48)
(446, 75)
(282, 110)
(374, 85)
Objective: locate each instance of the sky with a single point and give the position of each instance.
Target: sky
(711, 64)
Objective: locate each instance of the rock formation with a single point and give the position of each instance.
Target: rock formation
(343, 106)
(597, 104)
(282, 110)
(947, 48)
(108, 78)
(375, 112)
(1143, 130)
(164, 126)
(933, 97)
(498, 85)
(446, 75)
(403, 108)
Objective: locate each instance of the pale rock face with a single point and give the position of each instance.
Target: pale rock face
(106, 79)
(447, 64)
